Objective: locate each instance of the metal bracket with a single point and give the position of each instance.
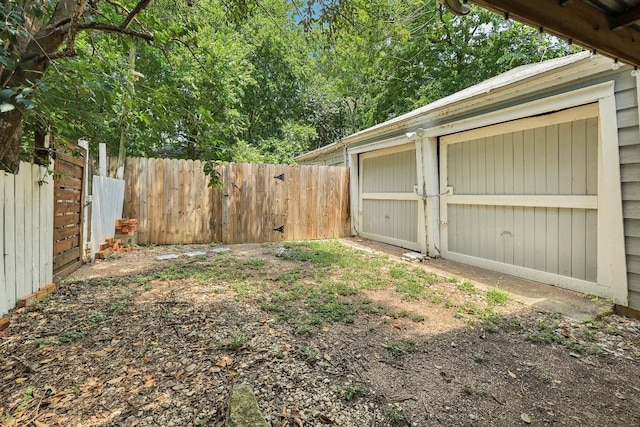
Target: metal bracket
(279, 229)
(280, 177)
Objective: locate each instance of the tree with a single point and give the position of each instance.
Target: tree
(33, 34)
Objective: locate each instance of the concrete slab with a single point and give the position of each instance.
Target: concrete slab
(167, 257)
(543, 297)
(195, 254)
(220, 250)
(413, 256)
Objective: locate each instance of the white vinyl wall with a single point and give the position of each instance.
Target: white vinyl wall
(26, 242)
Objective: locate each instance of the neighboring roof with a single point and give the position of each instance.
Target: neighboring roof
(481, 90)
(612, 27)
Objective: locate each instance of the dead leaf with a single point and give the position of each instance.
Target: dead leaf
(39, 424)
(325, 420)
(109, 350)
(150, 382)
(525, 417)
(512, 375)
(327, 357)
(224, 361)
(619, 395)
(20, 380)
(114, 381)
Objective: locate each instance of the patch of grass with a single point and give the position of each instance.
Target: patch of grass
(254, 263)
(308, 355)
(117, 307)
(495, 296)
(467, 286)
(351, 392)
(235, 342)
(398, 348)
(71, 335)
(396, 417)
(95, 317)
(479, 358)
(588, 334)
(544, 334)
(248, 289)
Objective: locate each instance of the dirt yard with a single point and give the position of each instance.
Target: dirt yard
(326, 334)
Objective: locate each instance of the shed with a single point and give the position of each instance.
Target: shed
(534, 173)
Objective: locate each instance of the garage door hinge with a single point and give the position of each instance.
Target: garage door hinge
(279, 229)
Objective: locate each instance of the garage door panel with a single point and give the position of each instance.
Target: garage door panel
(558, 241)
(392, 173)
(396, 219)
(551, 160)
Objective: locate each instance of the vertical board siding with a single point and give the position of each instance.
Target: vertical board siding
(397, 219)
(547, 247)
(106, 208)
(392, 173)
(629, 142)
(174, 203)
(26, 212)
(553, 160)
(392, 219)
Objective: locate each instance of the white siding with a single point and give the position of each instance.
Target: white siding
(26, 212)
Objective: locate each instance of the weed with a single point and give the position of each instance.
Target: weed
(453, 279)
(589, 335)
(467, 286)
(70, 335)
(350, 392)
(396, 417)
(495, 296)
(248, 289)
(479, 358)
(237, 341)
(95, 317)
(398, 348)
(614, 330)
(308, 355)
(117, 307)
(416, 318)
(545, 334)
(303, 329)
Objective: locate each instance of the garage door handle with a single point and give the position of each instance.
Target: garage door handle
(507, 234)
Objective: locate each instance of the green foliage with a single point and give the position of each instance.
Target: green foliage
(260, 81)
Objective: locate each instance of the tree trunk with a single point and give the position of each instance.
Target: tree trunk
(10, 133)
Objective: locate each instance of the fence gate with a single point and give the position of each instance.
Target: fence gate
(67, 212)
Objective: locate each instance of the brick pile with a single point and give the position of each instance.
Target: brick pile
(126, 226)
(111, 246)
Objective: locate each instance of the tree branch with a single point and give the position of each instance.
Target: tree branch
(141, 5)
(97, 26)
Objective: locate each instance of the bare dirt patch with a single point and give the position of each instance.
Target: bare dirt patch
(325, 334)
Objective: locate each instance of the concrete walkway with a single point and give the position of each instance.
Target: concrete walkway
(545, 298)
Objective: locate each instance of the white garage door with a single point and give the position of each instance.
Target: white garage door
(523, 197)
(388, 204)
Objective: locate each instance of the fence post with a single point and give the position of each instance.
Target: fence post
(86, 208)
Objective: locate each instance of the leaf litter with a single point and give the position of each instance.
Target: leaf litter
(129, 342)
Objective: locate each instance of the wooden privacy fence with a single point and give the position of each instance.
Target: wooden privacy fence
(26, 242)
(67, 222)
(255, 203)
